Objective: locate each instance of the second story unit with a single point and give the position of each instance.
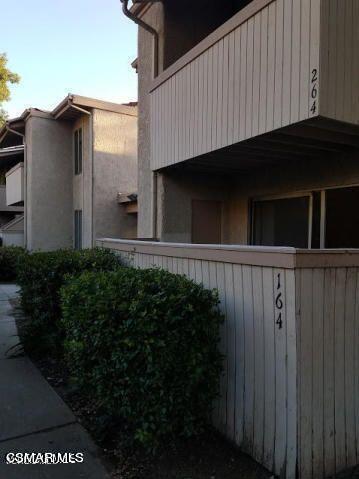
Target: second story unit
(244, 102)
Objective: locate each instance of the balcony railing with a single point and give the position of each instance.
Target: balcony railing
(290, 387)
(15, 185)
(266, 68)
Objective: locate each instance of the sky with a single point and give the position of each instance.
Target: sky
(58, 47)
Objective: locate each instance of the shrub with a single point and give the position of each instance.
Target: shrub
(10, 259)
(144, 344)
(40, 277)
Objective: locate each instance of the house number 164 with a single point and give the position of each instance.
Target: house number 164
(279, 304)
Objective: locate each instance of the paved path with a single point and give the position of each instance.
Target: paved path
(33, 418)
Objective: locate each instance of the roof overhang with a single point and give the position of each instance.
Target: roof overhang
(129, 201)
(140, 7)
(70, 108)
(14, 128)
(11, 151)
(11, 132)
(74, 106)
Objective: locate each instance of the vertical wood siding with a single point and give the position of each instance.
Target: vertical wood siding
(256, 78)
(290, 389)
(340, 60)
(328, 360)
(257, 409)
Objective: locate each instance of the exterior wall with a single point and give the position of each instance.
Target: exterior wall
(328, 358)
(114, 170)
(13, 235)
(339, 60)
(175, 195)
(82, 183)
(13, 238)
(48, 178)
(154, 17)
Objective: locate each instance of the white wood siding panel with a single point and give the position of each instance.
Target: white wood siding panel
(255, 78)
(328, 370)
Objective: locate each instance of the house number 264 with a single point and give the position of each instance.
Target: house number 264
(279, 301)
(314, 90)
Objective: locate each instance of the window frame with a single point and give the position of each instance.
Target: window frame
(78, 151)
(302, 193)
(78, 230)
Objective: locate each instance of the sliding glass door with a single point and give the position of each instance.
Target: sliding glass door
(282, 222)
(327, 218)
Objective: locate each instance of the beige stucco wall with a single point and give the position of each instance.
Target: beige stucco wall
(115, 171)
(154, 17)
(175, 195)
(82, 183)
(48, 194)
(53, 192)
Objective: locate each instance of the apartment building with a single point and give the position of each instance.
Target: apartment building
(9, 211)
(249, 178)
(72, 164)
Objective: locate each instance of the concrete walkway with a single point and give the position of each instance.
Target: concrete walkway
(33, 418)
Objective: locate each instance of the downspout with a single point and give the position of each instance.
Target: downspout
(91, 152)
(155, 35)
(149, 29)
(25, 186)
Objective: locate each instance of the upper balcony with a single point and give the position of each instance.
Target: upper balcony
(15, 185)
(275, 64)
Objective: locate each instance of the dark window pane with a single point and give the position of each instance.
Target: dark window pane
(282, 222)
(342, 218)
(76, 149)
(80, 151)
(316, 220)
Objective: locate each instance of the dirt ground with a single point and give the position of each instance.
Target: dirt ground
(208, 457)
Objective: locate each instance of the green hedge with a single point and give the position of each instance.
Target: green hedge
(41, 276)
(144, 344)
(11, 258)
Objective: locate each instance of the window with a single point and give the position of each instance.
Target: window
(78, 229)
(281, 222)
(342, 218)
(78, 151)
(320, 219)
